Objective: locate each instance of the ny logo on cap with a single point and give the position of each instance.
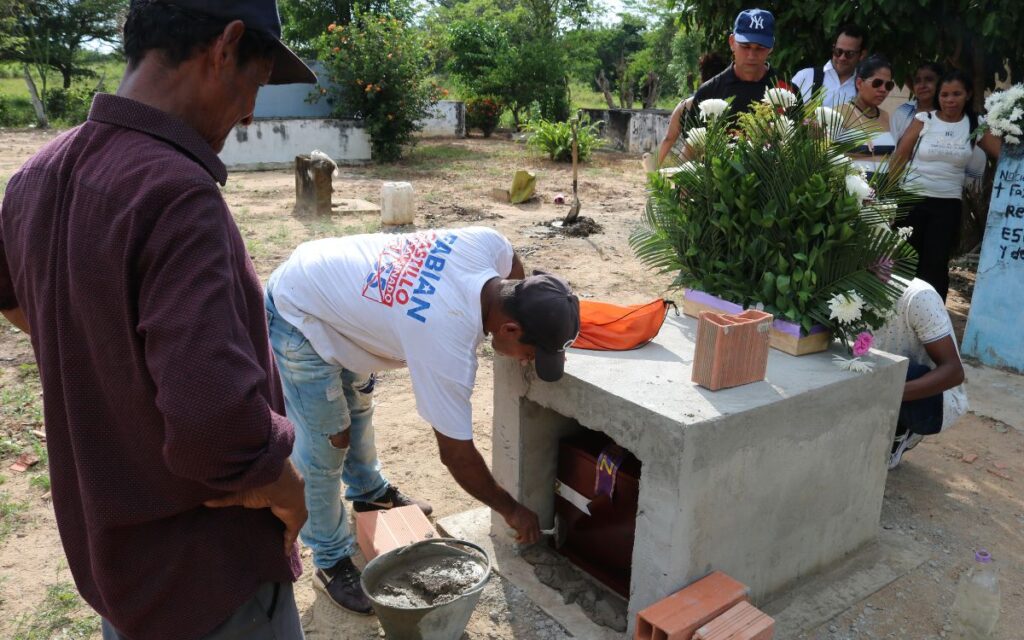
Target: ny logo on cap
(757, 22)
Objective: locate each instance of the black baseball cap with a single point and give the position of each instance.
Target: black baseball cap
(549, 313)
(259, 15)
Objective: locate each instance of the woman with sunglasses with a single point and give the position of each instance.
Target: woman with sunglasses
(940, 144)
(874, 82)
(924, 86)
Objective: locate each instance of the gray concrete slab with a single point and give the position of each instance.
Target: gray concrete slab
(475, 526)
(996, 394)
(824, 596)
(769, 482)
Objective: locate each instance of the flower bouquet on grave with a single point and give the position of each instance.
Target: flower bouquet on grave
(1005, 115)
(766, 210)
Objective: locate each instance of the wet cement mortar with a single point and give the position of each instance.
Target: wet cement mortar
(428, 582)
(582, 227)
(558, 573)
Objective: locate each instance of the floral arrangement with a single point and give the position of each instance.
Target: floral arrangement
(767, 209)
(483, 113)
(1005, 117)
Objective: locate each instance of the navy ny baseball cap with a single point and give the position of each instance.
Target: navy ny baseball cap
(756, 26)
(259, 15)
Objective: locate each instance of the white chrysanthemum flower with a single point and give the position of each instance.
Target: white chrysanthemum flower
(829, 119)
(905, 232)
(779, 97)
(843, 162)
(846, 307)
(858, 186)
(1012, 139)
(783, 125)
(712, 108)
(696, 137)
(854, 365)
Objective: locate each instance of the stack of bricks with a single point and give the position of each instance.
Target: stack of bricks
(378, 532)
(715, 607)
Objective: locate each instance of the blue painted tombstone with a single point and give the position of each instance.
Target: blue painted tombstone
(995, 326)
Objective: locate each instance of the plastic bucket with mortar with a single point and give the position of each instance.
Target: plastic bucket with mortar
(434, 622)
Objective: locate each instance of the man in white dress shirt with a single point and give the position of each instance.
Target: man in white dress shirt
(837, 76)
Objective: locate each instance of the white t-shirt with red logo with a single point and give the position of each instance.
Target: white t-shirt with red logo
(386, 301)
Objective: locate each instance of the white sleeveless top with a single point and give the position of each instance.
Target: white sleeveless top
(942, 156)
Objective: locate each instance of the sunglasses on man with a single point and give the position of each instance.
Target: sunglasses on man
(849, 54)
(878, 82)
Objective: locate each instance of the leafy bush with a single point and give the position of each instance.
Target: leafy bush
(379, 68)
(16, 112)
(483, 113)
(773, 212)
(68, 106)
(555, 138)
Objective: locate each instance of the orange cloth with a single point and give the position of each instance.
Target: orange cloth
(612, 327)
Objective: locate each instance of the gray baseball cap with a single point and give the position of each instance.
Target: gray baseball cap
(259, 15)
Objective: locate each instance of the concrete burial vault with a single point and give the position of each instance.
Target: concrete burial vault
(768, 482)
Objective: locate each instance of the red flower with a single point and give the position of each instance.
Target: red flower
(782, 84)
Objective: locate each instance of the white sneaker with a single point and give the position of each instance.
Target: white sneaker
(914, 440)
(899, 447)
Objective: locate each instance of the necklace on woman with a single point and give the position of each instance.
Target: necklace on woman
(866, 112)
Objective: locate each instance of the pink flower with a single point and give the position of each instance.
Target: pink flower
(862, 343)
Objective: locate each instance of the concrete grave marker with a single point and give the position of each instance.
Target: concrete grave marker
(995, 326)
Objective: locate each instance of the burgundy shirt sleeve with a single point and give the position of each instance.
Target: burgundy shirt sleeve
(8, 300)
(219, 429)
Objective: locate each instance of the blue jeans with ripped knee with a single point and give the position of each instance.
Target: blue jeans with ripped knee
(322, 400)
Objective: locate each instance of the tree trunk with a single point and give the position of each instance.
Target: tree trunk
(33, 95)
(313, 186)
(602, 82)
(652, 90)
(978, 73)
(66, 73)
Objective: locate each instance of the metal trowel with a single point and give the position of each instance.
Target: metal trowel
(557, 532)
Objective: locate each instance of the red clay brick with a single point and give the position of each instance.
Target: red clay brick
(679, 615)
(741, 622)
(381, 531)
(731, 349)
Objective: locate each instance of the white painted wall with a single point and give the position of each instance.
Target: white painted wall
(274, 143)
(447, 118)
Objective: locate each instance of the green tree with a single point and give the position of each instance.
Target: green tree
(379, 70)
(503, 56)
(981, 38)
(53, 33)
(302, 21)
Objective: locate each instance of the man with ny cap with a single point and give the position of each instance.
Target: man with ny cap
(746, 79)
(176, 501)
(340, 309)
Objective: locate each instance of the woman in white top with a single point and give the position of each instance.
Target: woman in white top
(924, 85)
(940, 144)
(874, 82)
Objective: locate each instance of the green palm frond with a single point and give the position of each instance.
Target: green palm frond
(767, 216)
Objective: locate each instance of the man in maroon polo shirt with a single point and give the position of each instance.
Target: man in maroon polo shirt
(176, 502)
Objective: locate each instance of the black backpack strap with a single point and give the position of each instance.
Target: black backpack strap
(819, 80)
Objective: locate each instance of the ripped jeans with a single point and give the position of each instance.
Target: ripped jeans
(323, 400)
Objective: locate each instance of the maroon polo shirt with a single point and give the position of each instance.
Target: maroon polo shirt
(159, 387)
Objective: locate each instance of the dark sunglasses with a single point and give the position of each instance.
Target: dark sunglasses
(878, 82)
(849, 54)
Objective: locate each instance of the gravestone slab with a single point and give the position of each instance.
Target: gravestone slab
(994, 334)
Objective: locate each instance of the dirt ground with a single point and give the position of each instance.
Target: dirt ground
(946, 504)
